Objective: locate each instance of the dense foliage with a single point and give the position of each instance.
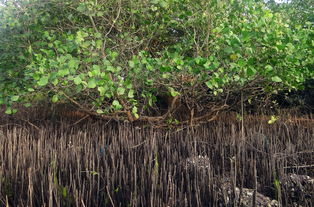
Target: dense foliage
(118, 58)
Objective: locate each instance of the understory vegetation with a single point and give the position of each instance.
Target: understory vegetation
(148, 60)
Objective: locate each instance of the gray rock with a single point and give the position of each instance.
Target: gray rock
(226, 192)
(299, 189)
(201, 165)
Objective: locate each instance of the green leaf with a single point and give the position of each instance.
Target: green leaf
(116, 105)
(96, 70)
(173, 92)
(30, 49)
(99, 14)
(102, 90)
(228, 50)
(134, 112)
(43, 81)
(268, 68)
(131, 64)
(250, 71)
(27, 105)
(120, 91)
(98, 44)
(97, 35)
(99, 111)
(15, 98)
(77, 80)
(79, 37)
(55, 82)
(207, 65)
(55, 98)
(131, 93)
(73, 64)
(63, 72)
(113, 55)
(92, 83)
(111, 69)
(276, 79)
(8, 110)
(128, 84)
(163, 4)
(209, 84)
(273, 119)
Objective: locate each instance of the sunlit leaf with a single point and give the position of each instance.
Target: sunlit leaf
(99, 111)
(276, 79)
(43, 81)
(273, 119)
(55, 98)
(77, 80)
(116, 105)
(92, 83)
(120, 91)
(131, 93)
(15, 98)
(8, 110)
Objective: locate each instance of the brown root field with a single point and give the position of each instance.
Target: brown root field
(78, 161)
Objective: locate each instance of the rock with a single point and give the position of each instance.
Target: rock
(198, 167)
(298, 189)
(226, 193)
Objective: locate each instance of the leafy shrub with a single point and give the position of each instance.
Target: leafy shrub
(113, 58)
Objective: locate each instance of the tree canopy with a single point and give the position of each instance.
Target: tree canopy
(118, 58)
